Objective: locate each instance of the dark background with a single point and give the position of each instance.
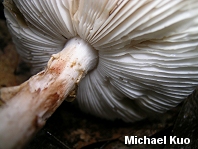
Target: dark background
(1, 10)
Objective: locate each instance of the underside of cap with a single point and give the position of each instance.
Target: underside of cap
(148, 50)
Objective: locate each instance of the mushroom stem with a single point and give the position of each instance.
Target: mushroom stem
(27, 107)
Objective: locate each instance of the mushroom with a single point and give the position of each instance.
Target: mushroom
(121, 59)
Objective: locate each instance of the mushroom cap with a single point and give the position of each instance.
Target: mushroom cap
(148, 50)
